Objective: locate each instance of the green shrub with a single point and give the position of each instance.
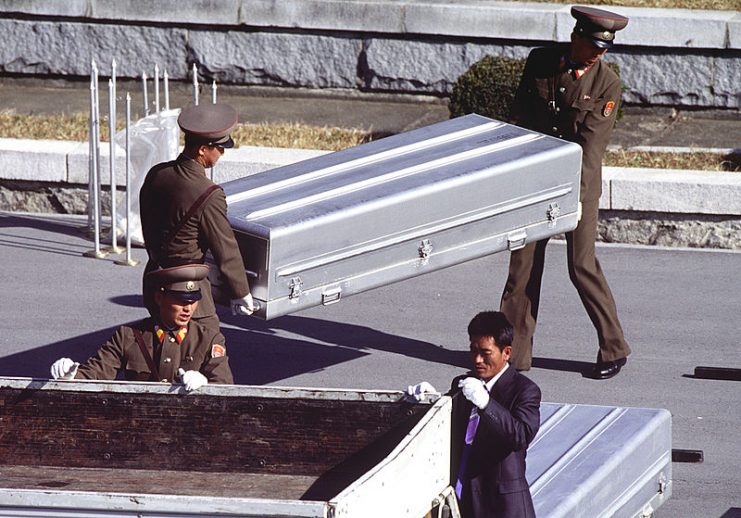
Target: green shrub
(487, 88)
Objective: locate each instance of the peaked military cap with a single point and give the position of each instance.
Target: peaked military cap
(211, 124)
(180, 281)
(597, 24)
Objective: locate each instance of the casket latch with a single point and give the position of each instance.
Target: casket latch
(425, 249)
(295, 288)
(553, 212)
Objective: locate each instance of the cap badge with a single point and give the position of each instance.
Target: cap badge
(608, 108)
(606, 35)
(190, 286)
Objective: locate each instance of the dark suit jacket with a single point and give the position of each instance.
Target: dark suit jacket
(496, 466)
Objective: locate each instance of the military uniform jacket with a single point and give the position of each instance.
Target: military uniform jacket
(202, 350)
(169, 191)
(495, 471)
(551, 100)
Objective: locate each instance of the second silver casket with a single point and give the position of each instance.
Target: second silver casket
(319, 230)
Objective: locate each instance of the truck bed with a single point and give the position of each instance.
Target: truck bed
(230, 450)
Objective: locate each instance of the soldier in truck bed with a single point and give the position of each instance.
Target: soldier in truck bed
(166, 348)
(571, 94)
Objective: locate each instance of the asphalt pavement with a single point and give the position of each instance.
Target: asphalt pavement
(679, 309)
(383, 114)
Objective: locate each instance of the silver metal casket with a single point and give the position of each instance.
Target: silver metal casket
(319, 230)
(589, 461)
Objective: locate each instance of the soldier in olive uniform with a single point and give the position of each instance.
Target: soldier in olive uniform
(166, 348)
(571, 94)
(183, 213)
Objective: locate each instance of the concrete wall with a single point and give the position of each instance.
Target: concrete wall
(628, 189)
(642, 206)
(667, 57)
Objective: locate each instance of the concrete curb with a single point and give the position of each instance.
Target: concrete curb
(623, 189)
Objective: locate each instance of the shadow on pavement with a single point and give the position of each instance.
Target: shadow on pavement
(66, 226)
(259, 356)
(260, 353)
(563, 365)
(130, 301)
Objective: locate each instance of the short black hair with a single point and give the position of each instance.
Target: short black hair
(193, 141)
(494, 324)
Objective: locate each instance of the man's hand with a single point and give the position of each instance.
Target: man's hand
(417, 392)
(64, 368)
(475, 391)
(193, 380)
(243, 306)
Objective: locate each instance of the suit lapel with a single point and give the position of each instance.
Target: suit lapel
(502, 389)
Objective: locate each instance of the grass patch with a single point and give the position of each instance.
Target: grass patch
(695, 160)
(302, 136)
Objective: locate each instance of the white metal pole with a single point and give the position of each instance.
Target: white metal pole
(156, 88)
(98, 176)
(128, 261)
(144, 87)
(166, 80)
(95, 192)
(195, 84)
(91, 155)
(112, 134)
(112, 160)
(96, 205)
(213, 101)
(128, 180)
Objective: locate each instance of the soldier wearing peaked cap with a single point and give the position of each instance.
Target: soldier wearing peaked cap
(170, 347)
(183, 213)
(571, 94)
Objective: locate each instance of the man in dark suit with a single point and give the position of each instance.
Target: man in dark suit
(571, 94)
(496, 414)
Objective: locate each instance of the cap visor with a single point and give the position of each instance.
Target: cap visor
(185, 297)
(225, 142)
(602, 43)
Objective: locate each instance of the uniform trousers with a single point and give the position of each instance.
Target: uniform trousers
(521, 295)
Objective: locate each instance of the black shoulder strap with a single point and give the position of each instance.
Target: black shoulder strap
(193, 208)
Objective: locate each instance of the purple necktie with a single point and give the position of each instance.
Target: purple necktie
(473, 423)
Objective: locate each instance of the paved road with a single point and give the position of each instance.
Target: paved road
(679, 308)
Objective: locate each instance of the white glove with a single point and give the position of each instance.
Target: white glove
(64, 368)
(417, 392)
(243, 306)
(475, 391)
(193, 380)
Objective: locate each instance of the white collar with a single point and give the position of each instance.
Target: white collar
(490, 384)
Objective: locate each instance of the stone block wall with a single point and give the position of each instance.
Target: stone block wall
(667, 57)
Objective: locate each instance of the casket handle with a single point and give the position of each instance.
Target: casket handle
(331, 296)
(516, 240)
